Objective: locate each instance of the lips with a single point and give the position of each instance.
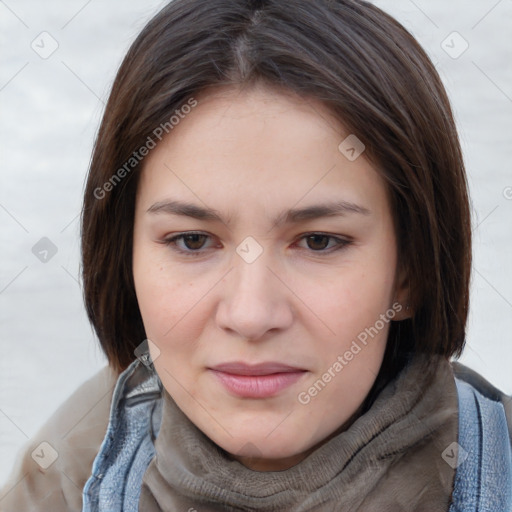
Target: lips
(262, 380)
(239, 368)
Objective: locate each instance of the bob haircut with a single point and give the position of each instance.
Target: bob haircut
(374, 77)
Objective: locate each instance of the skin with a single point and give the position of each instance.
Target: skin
(252, 155)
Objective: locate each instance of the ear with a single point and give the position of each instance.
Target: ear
(401, 297)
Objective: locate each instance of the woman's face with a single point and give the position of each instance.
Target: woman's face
(269, 316)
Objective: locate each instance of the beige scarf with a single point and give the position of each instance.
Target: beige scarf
(388, 460)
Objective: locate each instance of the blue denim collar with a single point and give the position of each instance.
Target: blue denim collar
(128, 446)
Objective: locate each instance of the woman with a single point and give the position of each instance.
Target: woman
(276, 253)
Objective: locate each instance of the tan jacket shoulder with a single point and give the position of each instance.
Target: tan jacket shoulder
(50, 476)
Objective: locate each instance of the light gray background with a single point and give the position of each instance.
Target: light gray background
(51, 108)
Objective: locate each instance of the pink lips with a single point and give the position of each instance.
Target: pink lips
(256, 381)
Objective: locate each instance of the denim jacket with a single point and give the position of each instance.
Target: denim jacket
(482, 456)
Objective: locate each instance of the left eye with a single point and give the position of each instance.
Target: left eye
(319, 242)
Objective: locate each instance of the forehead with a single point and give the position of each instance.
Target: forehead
(236, 145)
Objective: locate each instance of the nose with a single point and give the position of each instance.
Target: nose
(254, 300)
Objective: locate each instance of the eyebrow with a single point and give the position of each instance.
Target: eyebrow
(292, 216)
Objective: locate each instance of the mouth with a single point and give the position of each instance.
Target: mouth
(262, 380)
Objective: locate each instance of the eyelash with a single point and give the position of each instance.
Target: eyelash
(171, 241)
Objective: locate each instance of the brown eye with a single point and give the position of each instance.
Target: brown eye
(318, 242)
(188, 244)
(194, 241)
(324, 243)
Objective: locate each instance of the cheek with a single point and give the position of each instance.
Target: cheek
(166, 309)
(350, 305)
(352, 300)
(174, 310)
(152, 293)
(162, 297)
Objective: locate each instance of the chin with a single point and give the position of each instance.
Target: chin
(263, 455)
(258, 446)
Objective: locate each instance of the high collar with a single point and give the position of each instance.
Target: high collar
(388, 459)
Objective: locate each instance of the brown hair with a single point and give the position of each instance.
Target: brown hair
(373, 76)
